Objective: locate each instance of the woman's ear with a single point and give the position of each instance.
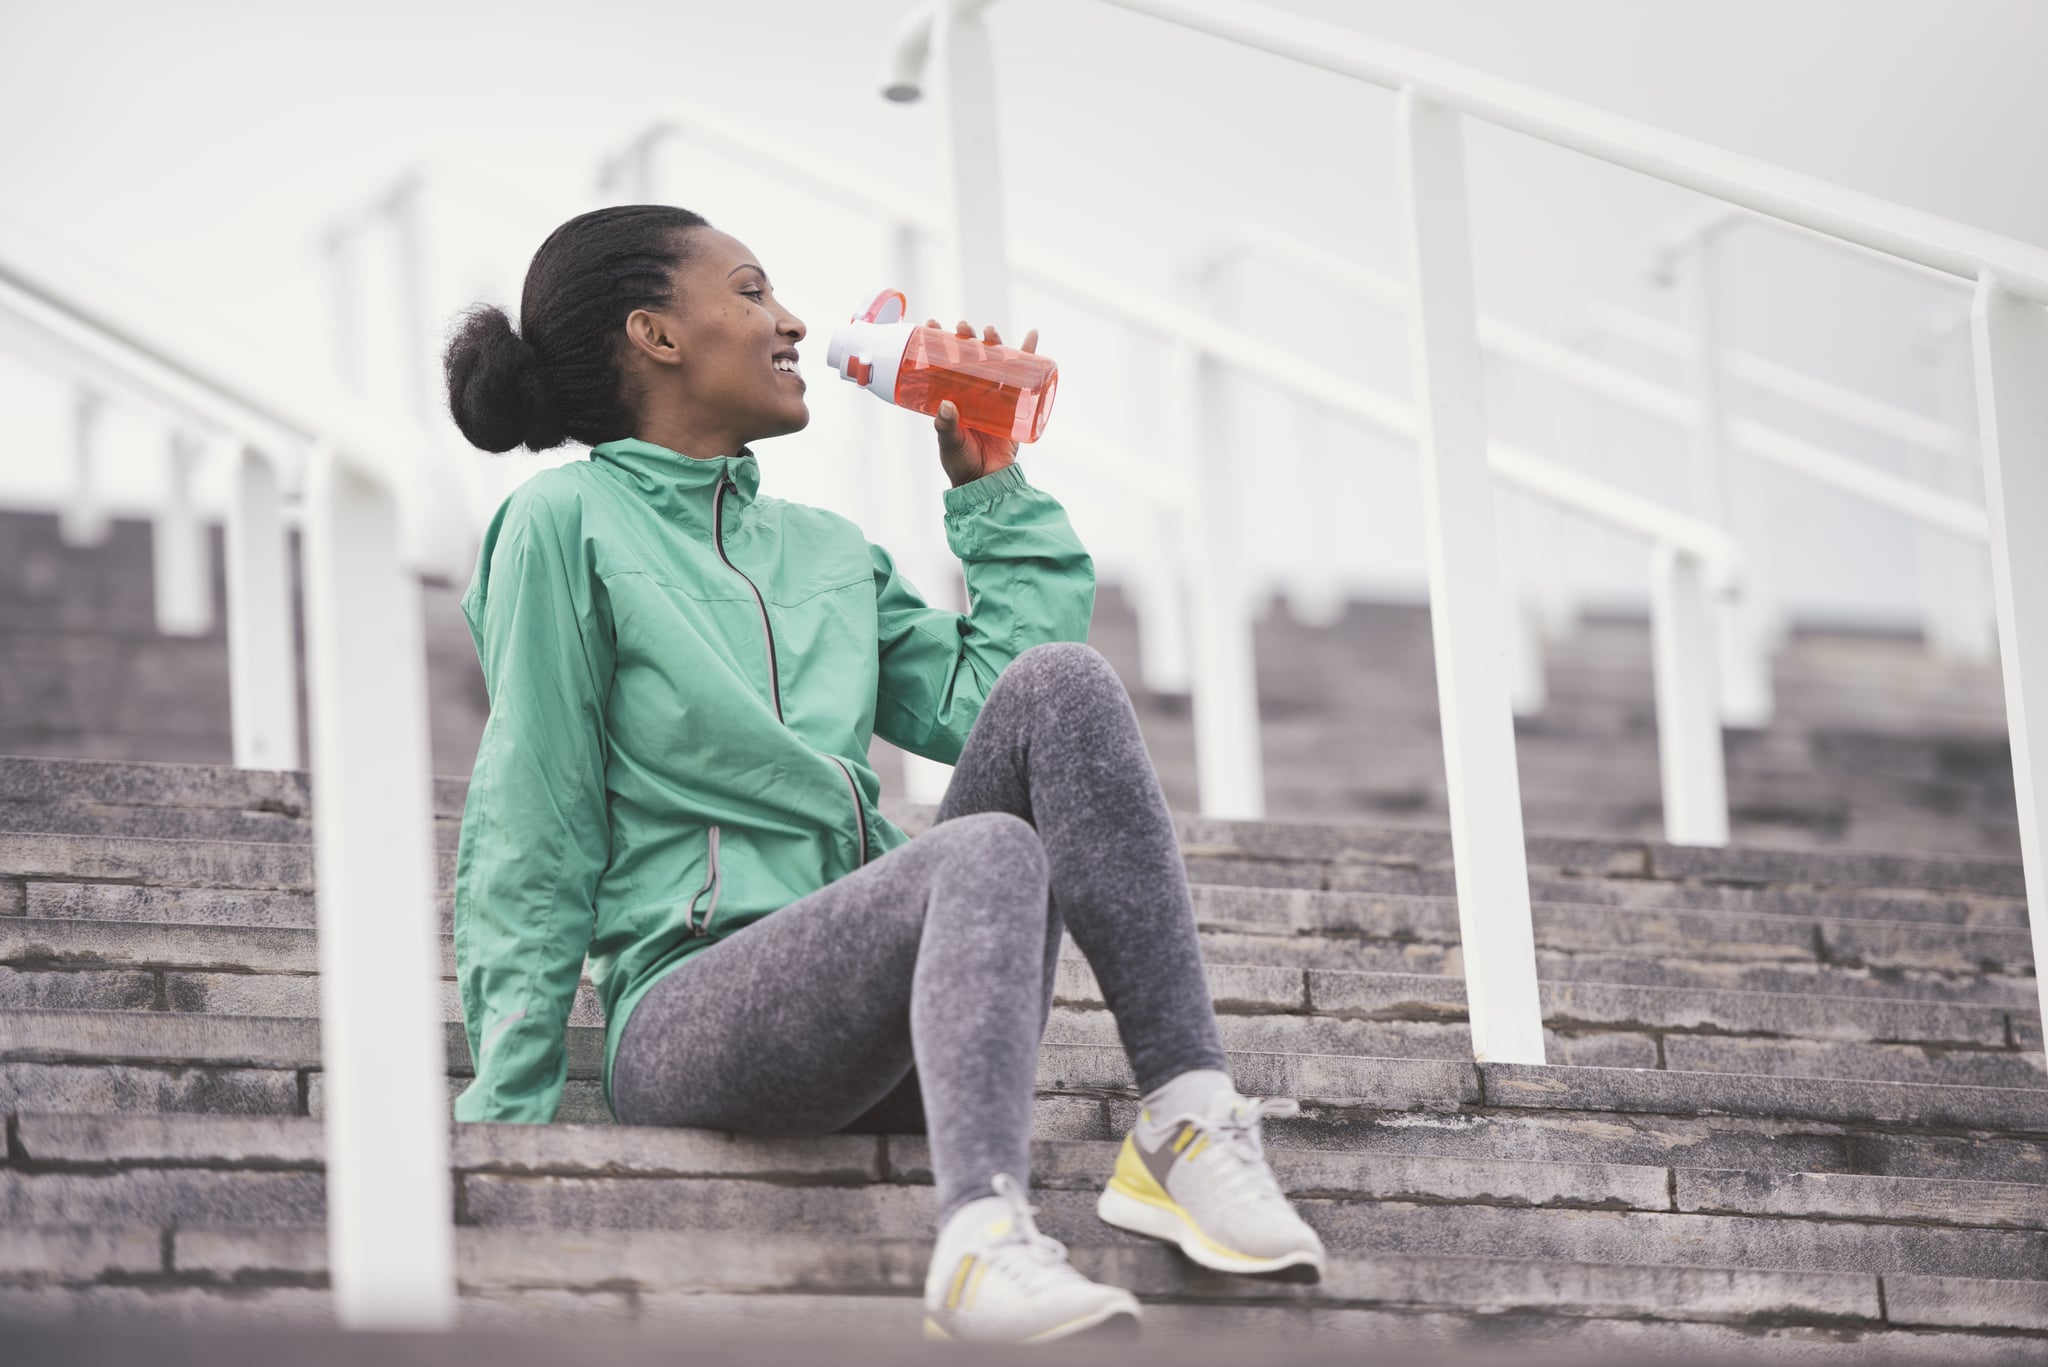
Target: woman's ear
(654, 336)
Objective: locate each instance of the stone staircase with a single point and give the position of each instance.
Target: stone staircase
(1796, 1104)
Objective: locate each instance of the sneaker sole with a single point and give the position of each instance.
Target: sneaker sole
(1176, 1227)
(1110, 1322)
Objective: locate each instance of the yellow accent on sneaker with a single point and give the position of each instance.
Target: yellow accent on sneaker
(959, 1280)
(974, 1287)
(1133, 1177)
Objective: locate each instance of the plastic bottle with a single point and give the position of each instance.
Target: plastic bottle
(995, 388)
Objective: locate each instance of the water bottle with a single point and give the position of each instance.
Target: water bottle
(994, 388)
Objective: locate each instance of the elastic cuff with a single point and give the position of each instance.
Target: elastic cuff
(977, 494)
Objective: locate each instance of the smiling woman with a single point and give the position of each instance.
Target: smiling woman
(685, 675)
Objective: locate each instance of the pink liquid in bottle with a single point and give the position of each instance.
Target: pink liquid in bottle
(996, 388)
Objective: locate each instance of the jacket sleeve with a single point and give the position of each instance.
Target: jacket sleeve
(1028, 581)
(535, 833)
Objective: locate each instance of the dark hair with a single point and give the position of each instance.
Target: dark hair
(560, 380)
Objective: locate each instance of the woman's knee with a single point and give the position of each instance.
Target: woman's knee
(995, 841)
(1062, 673)
(999, 862)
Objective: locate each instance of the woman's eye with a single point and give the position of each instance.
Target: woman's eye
(755, 293)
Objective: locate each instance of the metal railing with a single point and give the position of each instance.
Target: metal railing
(1433, 98)
(1956, 610)
(1942, 512)
(371, 524)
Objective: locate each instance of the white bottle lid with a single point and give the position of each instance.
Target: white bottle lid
(868, 349)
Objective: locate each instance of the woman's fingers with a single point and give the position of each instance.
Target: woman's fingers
(991, 336)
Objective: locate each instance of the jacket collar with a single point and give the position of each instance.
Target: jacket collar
(681, 487)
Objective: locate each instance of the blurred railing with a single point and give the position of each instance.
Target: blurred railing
(1746, 695)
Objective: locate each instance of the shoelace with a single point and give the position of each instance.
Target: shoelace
(1032, 1258)
(1236, 1132)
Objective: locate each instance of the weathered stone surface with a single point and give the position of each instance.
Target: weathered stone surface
(121, 902)
(1266, 1033)
(84, 990)
(1824, 1099)
(1849, 1059)
(124, 1087)
(191, 863)
(78, 1253)
(219, 1140)
(1966, 1303)
(1857, 1197)
(95, 1307)
(160, 1196)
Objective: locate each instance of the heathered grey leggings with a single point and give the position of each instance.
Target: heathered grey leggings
(911, 995)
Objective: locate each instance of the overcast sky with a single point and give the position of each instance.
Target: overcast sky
(197, 150)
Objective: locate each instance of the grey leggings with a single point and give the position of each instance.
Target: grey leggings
(911, 994)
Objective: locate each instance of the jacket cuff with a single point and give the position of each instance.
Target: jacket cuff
(977, 494)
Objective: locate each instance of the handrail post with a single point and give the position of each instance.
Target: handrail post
(178, 546)
(916, 527)
(1722, 497)
(1229, 758)
(1959, 619)
(2010, 336)
(1691, 764)
(263, 703)
(965, 65)
(1466, 612)
(383, 1044)
(83, 521)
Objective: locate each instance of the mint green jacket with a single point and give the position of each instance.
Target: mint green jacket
(684, 675)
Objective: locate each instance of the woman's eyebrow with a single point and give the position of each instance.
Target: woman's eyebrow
(747, 266)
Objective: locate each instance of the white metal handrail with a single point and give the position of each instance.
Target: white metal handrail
(390, 1243)
(2010, 327)
(1590, 375)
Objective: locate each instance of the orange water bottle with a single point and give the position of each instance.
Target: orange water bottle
(994, 388)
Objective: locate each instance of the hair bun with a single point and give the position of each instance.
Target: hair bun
(497, 392)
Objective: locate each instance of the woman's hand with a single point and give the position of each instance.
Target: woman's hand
(964, 452)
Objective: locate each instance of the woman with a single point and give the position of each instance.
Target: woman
(684, 676)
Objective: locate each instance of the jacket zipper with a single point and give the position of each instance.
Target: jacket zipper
(711, 886)
(718, 540)
(860, 825)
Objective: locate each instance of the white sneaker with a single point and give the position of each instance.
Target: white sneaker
(995, 1279)
(1202, 1182)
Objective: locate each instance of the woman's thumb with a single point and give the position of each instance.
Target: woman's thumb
(946, 409)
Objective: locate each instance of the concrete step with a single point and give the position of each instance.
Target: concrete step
(106, 925)
(272, 971)
(1337, 855)
(262, 1063)
(100, 1170)
(797, 1299)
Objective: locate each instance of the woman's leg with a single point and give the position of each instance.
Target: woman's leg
(1058, 744)
(806, 1019)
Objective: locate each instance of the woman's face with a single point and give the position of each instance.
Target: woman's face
(707, 370)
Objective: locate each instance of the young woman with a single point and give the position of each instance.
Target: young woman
(684, 675)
